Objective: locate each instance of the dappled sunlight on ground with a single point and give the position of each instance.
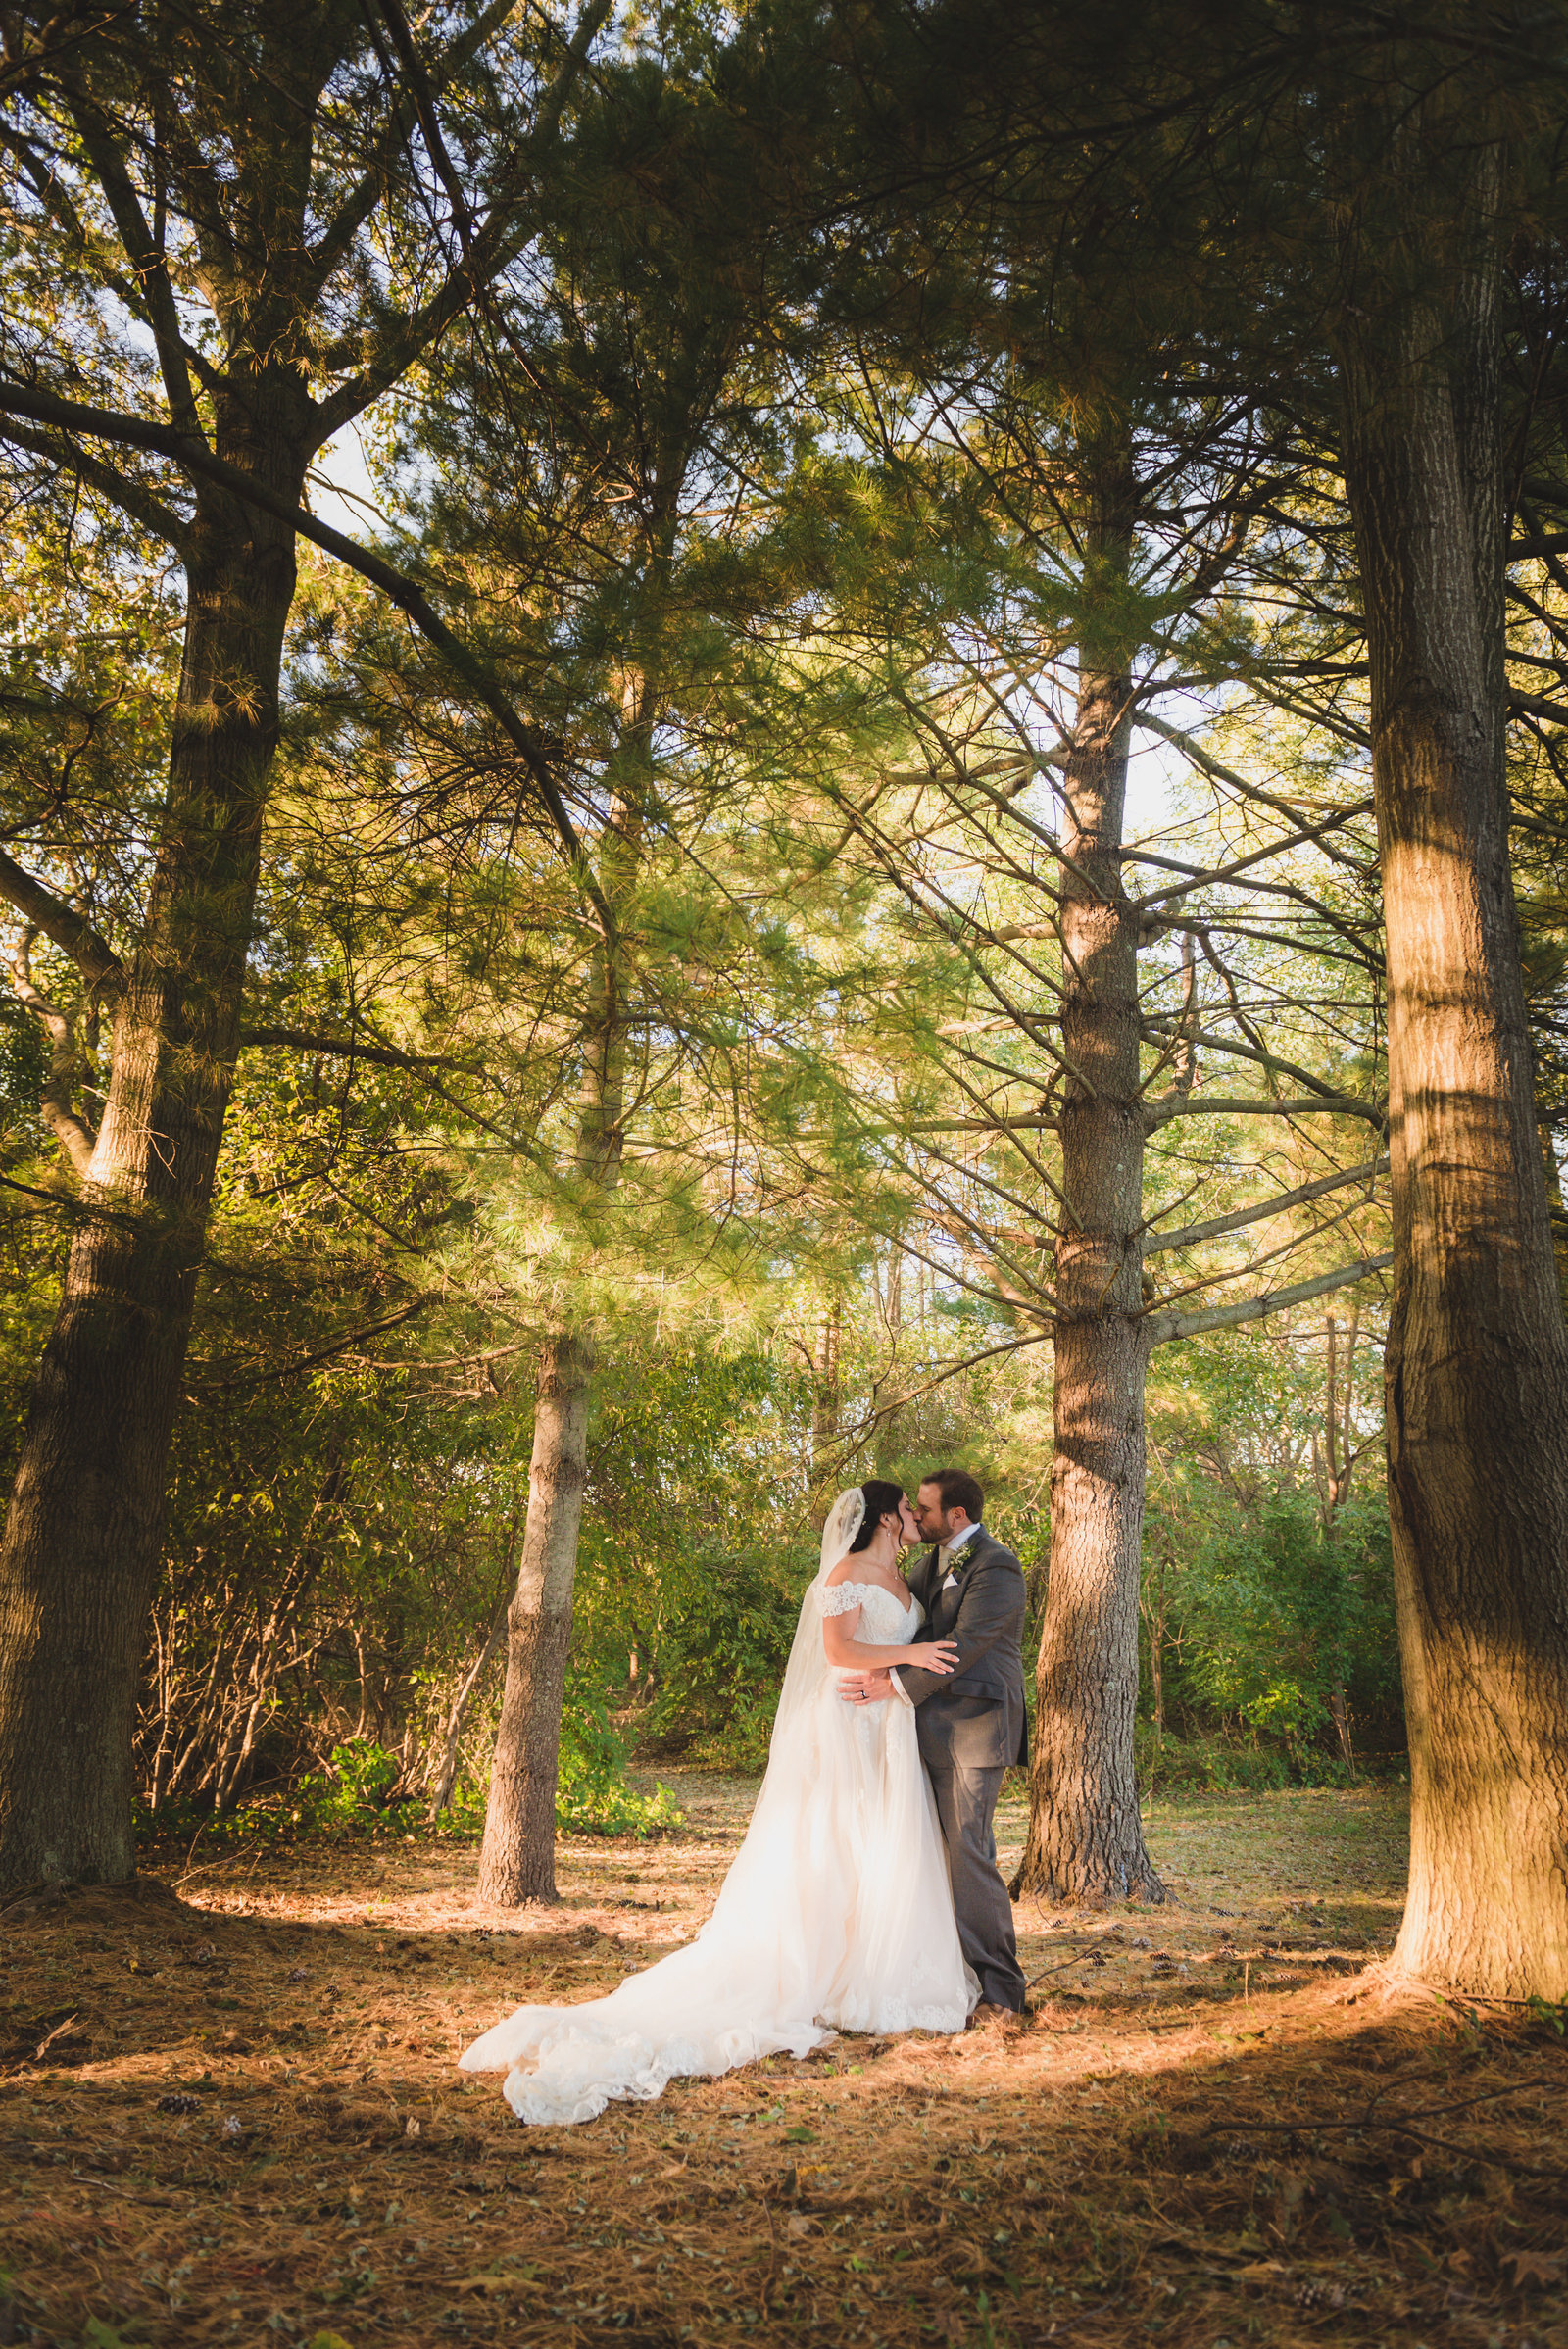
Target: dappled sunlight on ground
(233, 2115)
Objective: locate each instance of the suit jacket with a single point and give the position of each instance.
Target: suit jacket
(977, 1715)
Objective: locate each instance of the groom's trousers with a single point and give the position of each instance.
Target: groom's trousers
(966, 1804)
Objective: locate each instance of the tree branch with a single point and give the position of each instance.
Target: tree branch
(133, 497)
(93, 957)
(143, 252)
(424, 100)
(1342, 1104)
(72, 1133)
(139, 432)
(1162, 1327)
(485, 256)
(1154, 1033)
(324, 1353)
(332, 247)
(344, 1048)
(1218, 772)
(1218, 1225)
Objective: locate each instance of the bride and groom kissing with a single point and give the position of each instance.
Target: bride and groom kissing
(865, 1895)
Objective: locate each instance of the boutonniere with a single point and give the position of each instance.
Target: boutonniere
(959, 1566)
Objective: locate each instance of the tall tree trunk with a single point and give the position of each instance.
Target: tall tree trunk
(1084, 1835)
(518, 1859)
(1477, 1363)
(79, 1554)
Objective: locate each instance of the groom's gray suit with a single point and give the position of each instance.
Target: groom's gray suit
(971, 1726)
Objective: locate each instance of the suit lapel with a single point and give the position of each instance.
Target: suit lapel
(923, 1581)
(943, 1601)
(970, 1561)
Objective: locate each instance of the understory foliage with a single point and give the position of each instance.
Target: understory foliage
(351, 1475)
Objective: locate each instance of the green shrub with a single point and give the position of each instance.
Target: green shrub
(593, 1794)
(1207, 1765)
(593, 1797)
(723, 1647)
(1265, 1620)
(353, 1789)
(357, 1793)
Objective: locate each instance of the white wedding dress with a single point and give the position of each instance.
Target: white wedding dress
(837, 1914)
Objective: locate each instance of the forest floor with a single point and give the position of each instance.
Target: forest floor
(230, 2114)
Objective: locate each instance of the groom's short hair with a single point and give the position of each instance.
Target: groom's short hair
(958, 1490)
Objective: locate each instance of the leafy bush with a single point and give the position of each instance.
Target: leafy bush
(353, 1795)
(357, 1793)
(593, 1795)
(1219, 1764)
(725, 1644)
(353, 1790)
(1265, 1620)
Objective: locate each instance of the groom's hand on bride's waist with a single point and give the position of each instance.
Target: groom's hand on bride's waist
(865, 1688)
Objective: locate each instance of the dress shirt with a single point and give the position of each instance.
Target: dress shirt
(947, 1551)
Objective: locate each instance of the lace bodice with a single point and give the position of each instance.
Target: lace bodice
(883, 1623)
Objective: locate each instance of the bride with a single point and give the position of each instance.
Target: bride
(837, 1912)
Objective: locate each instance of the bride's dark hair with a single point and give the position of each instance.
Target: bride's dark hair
(881, 1500)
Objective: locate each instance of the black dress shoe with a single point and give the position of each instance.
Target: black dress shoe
(1007, 2020)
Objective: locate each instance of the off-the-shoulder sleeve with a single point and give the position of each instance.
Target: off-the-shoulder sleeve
(839, 1600)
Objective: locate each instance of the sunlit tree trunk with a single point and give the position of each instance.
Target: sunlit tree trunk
(1085, 1836)
(518, 1858)
(79, 1554)
(1477, 1363)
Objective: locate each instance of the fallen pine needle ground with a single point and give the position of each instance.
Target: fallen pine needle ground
(231, 2115)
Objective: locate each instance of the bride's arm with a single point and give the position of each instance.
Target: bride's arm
(848, 1654)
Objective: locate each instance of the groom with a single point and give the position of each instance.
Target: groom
(973, 1725)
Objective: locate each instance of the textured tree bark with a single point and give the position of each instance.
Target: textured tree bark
(518, 1859)
(1477, 1362)
(80, 1551)
(1085, 1836)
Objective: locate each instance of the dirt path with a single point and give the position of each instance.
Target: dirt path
(233, 2115)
